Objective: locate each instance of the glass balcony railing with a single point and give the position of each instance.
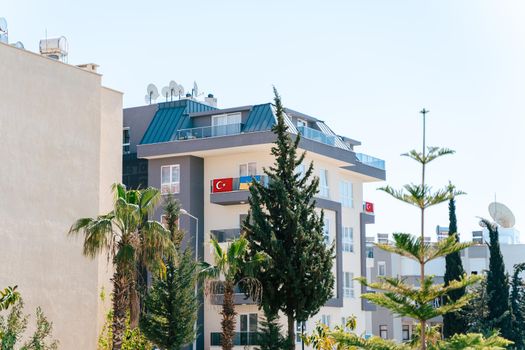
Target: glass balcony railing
(239, 339)
(209, 131)
(371, 161)
(226, 235)
(316, 135)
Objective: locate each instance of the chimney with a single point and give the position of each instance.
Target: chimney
(210, 100)
(92, 67)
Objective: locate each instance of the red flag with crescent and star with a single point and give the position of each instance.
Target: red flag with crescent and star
(223, 185)
(369, 207)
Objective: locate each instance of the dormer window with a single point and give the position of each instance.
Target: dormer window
(226, 124)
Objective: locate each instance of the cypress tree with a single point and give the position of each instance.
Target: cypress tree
(171, 304)
(517, 304)
(454, 322)
(282, 224)
(497, 285)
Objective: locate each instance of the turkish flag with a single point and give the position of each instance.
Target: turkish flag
(222, 185)
(369, 207)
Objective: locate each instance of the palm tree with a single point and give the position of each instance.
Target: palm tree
(231, 268)
(131, 241)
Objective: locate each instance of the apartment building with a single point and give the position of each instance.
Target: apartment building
(207, 157)
(61, 136)
(475, 260)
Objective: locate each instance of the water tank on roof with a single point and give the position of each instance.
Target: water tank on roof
(55, 48)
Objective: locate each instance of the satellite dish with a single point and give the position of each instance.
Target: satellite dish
(501, 214)
(3, 25)
(152, 93)
(165, 92)
(18, 45)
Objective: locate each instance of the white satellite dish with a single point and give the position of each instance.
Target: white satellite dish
(3, 30)
(501, 214)
(152, 93)
(175, 89)
(18, 45)
(165, 92)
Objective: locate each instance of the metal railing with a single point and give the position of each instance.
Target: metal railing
(239, 338)
(371, 161)
(209, 131)
(316, 135)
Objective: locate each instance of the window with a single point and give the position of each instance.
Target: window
(348, 285)
(301, 122)
(381, 268)
(346, 193)
(170, 179)
(383, 331)
(325, 319)
(326, 231)
(406, 332)
(348, 239)
(125, 140)
(301, 170)
(299, 331)
(324, 191)
(248, 325)
(248, 169)
(226, 124)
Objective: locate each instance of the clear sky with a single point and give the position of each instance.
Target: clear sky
(365, 67)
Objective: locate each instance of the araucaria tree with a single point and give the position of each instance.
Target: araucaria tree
(497, 285)
(453, 322)
(417, 302)
(171, 303)
(130, 240)
(282, 223)
(517, 304)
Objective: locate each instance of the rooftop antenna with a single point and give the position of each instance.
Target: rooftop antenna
(195, 90)
(151, 93)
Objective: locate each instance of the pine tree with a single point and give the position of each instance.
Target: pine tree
(453, 322)
(297, 279)
(270, 336)
(171, 304)
(497, 285)
(517, 304)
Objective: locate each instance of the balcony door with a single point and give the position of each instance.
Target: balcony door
(226, 124)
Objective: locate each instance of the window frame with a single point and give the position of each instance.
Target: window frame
(348, 285)
(326, 230)
(324, 187)
(124, 144)
(379, 265)
(346, 193)
(383, 328)
(247, 165)
(348, 239)
(171, 183)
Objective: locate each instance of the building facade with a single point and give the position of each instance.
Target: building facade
(207, 157)
(60, 130)
(475, 260)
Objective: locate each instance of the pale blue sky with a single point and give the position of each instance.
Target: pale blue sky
(365, 67)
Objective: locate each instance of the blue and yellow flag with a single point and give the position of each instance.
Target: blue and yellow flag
(245, 181)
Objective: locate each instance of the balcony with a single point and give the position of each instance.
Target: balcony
(226, 235)
(239, 339)
(209, 131)
(316, 135)
(233, 190)
(371, 161)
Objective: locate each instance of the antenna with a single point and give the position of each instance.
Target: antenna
(195, 90)
(151, 93)
(175, 89)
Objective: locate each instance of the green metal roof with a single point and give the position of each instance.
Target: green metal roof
(261, 118)
(170, 117)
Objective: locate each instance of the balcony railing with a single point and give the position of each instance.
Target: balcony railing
(371, 161)
(209, 131)
(226, 235)
(316, 135)
(236, 183)
(239, 338)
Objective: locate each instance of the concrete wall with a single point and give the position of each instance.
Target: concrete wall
(61, 150)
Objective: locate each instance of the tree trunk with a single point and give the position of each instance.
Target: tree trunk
(228, 317)
(120, 304)
(134, 305)
(422, 271)
(291, 332)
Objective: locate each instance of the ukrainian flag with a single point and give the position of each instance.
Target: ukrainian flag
(245, 181)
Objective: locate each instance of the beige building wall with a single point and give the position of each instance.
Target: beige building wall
(226, 165)
(61, 151)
